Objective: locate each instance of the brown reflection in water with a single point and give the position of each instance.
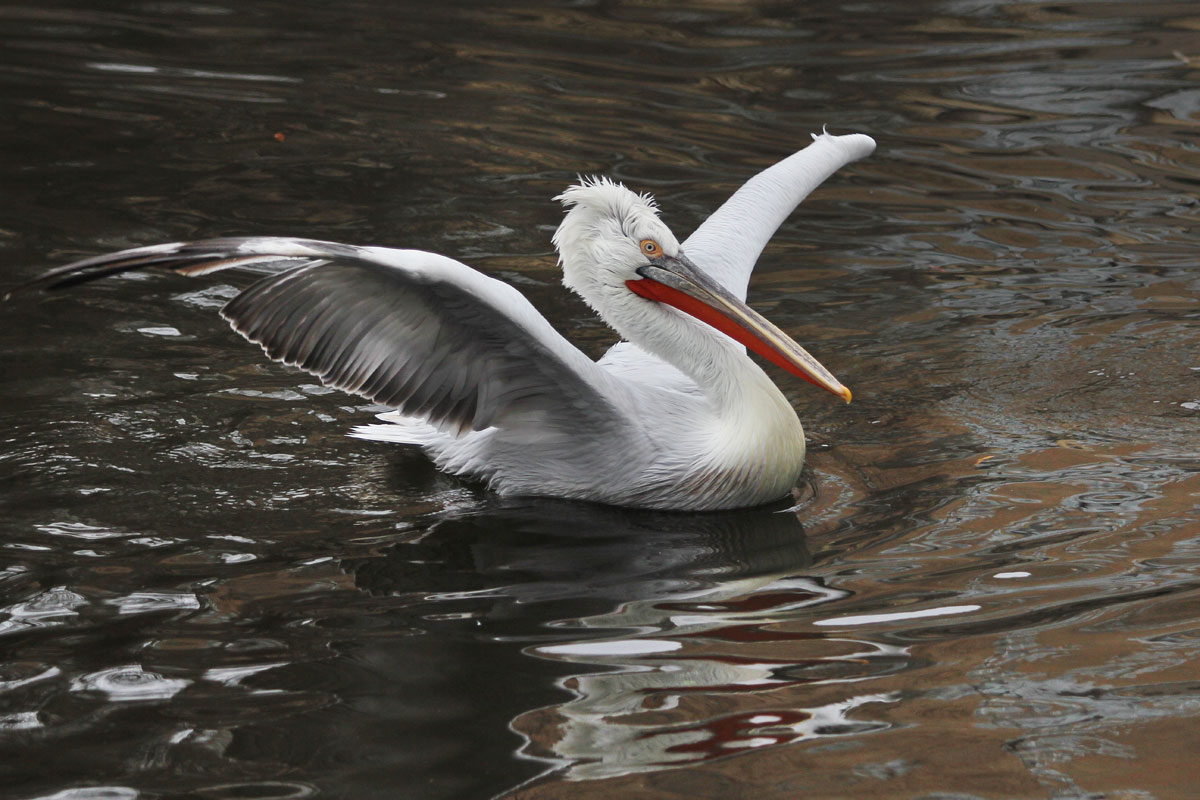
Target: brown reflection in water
(1060, 677)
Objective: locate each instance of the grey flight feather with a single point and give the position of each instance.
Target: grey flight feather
(416, 331)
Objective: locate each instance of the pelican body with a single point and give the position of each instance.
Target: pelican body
(675, 416)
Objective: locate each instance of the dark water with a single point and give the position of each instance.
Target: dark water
(990, 589)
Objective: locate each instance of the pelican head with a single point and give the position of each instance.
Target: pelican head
(622, 259)
(603, 238)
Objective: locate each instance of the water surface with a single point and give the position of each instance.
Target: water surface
(988, 589)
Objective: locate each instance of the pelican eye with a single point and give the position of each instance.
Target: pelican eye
(650, 248)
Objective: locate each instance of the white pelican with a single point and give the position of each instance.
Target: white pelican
(676, 416)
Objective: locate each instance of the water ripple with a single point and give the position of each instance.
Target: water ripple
(209, 591)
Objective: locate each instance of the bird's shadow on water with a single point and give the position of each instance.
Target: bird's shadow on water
(542, 550)
(489, 587)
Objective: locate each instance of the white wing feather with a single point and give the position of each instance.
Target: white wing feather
(728, 243)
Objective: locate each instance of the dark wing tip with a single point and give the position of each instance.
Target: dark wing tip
(96, 267)
(185, 258)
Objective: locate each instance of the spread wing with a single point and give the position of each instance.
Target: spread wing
(728, 243)
(419, 332)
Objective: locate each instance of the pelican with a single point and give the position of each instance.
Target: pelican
(674, 416)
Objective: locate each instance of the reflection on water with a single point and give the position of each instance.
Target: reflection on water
(601, 583)
(207, 590)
